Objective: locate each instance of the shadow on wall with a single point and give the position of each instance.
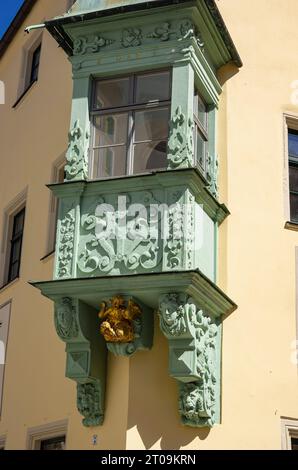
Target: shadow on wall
(153, 399)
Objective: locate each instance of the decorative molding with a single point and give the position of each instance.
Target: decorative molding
(77, 166)
(183, 30)
(65, 319)
(212, 174)
(82, 46)
(180, 145)
(131, 37)
(194, 357)
(66, 243)
(89, 403)
(102, 253)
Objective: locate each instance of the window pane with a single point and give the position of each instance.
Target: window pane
(152, 124)
(109, 161)
(112, 93)
(293, 143)
(200, 110)
(150, 156)
(57, 443)
(200, 149)
(16, 250)
(153, 87)
(294, 442)
(294, 207)
(110, 130)
(13, 272)
(35, 64)
(293, 174)
(18, 223)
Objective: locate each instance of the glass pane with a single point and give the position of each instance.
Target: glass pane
(16, 250)
(13, 272)
(152, 87)
(109, 161)
(18, 222)
(152, 124)
(110, 130)
(150, 156)
(294, 207)
(293, 143)
(293, 174)
(57, 443)
(200, 110)
(294, 443)
(112, 93)
(200, 150)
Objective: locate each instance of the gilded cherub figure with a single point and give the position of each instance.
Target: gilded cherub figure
(117, 326)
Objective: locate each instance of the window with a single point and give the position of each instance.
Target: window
(200, 132)
(16, 245)
(55, 443)
(130, 118)
(2, 443)
(58, 176)
(293, 173)
(50, 436)
(35, 65)
(294, 443)
(289, 428)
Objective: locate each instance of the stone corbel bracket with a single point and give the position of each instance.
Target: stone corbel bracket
(194, 336)
(77, 325)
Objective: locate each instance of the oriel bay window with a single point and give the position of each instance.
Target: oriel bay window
(130, 117)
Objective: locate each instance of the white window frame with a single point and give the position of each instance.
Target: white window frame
(38, 434)
(289, 430)
(15, 206)
(57, 167)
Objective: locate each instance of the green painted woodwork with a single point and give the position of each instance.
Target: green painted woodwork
(173, 275)
(192, 209)
(77, 325)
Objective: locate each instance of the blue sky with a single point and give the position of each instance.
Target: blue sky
(8, 9)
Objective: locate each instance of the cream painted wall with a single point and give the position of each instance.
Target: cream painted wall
(256, 255)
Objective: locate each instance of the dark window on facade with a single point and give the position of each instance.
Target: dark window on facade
(55, 443)
(294, 443)
(16, 245)
(130, 118)
(293, 173)
(200, 132)
(35, 65)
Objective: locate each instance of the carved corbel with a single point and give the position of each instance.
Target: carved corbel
(77, 324)
(194, 357)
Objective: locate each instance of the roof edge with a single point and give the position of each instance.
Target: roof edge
(14, 26)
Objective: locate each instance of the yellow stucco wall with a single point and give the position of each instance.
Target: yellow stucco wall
(256, 255)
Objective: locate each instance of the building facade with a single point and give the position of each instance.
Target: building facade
(148, 224)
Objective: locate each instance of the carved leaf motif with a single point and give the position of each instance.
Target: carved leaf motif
(76, 156)
(180, 146)
(131, 37)
(65, 319)
(66, 243)
(82, 46)
(89, 403)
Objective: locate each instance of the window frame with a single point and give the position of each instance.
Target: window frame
(15, 238)
(204, 133)
(289, 431)
(15, 206)
(57, 167)
(2, 442)
(45, 432)
(290, 122)
(130, 110)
